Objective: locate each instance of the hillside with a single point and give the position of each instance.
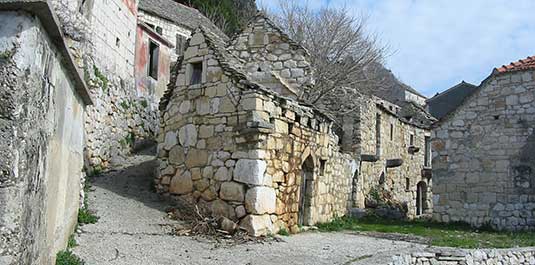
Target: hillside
(229, 15)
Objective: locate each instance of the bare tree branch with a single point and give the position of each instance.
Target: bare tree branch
(343, 55)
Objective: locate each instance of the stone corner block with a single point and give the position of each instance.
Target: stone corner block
(260, 200)
(250, 171)
(257, 225)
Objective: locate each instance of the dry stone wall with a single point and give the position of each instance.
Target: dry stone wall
(271, 58)
(483, 160)
(121, 116)
(238, 149)
(448, 256)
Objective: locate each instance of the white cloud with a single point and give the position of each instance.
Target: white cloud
(438, 43)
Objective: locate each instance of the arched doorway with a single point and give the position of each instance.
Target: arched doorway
(421, 198)
(305, 195)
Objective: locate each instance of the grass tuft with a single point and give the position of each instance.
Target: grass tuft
(66, 257)
(458, 234)
(284, 232)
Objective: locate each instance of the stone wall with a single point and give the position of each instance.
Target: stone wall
(41, 137)
(448, 256)
(170, 31)
(239, 149)
(483, 160)
(394, 143)
(271, 58)
(121, 115)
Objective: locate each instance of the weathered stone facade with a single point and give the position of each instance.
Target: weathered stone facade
(42, 106)
(483, 160)
(449, 256)
(240, 149)
(393, 156)
(271, 58)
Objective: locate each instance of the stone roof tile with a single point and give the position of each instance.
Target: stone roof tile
(180, 14)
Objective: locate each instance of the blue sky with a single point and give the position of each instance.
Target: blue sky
(438, 43)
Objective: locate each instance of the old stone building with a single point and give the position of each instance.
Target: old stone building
(235, 139)
(43, 103)
(174, 21)
(483, 159)
(153, 62)
(394, 146)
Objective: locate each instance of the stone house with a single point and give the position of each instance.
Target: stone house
(234, 138)
(153, 65)
(42, 111)
(394, 146)
(174, 21)
(483, 160)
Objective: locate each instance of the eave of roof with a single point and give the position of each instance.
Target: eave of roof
(43, 10)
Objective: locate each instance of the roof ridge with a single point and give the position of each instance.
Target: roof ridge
(522, 64)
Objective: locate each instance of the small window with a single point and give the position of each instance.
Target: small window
(159, 30)
(411, 140)
(407, 184)
(196, 73)
(378, 134)
(154, 54)
(118, 42)
(427, 159)
(391, 132)
(323, 162)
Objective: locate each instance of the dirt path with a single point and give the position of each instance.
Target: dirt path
(134, 229)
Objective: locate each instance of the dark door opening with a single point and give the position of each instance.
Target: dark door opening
(421, 198)
(305, 195)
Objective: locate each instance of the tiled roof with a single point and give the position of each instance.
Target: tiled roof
(179, 14)
(524, 64)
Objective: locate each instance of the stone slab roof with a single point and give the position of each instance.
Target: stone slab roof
(43, 10)
(520, 65)
(233, 66)
(179, 14)
(443, 103)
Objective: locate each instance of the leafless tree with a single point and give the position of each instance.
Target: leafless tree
(342, 53)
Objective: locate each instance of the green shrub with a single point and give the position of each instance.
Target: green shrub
(284, 232)
(100, 75)
(72, 242)
(66, 257)
(85, 216)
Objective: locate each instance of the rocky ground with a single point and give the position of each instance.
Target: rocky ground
(134, 229)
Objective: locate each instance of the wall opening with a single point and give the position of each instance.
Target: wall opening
(421, 198)
(305, 195)
(323, 162)
(154, 58)
(391, 132)
(196, 73)
(427, 158)
(378, 135)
